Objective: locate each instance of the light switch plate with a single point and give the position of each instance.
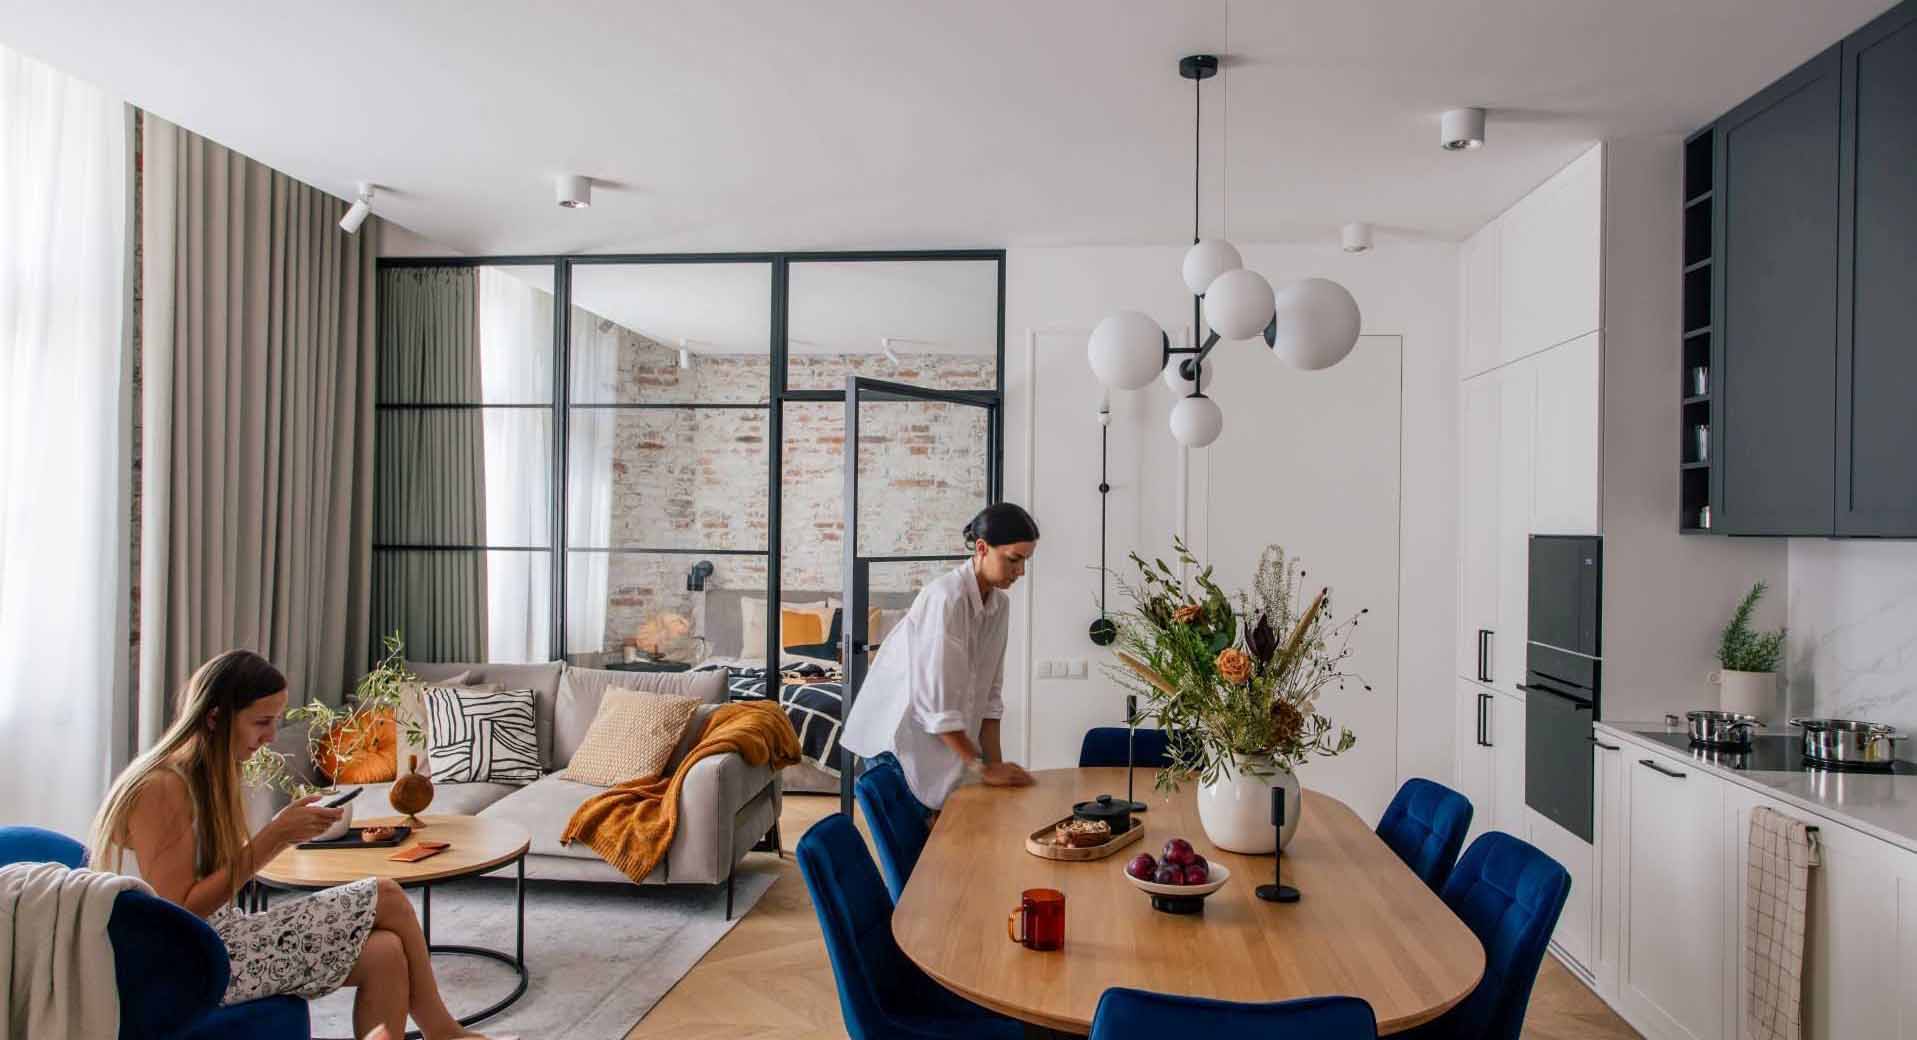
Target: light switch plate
(1079, 668)
(1045, 670)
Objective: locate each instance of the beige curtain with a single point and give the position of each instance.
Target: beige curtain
(432, 466)
(258, 382)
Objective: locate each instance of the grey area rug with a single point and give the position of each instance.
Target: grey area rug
(599, 956)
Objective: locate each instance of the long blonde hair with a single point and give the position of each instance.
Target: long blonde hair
(199, 746)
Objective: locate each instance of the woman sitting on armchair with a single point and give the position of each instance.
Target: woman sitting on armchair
(176, 820)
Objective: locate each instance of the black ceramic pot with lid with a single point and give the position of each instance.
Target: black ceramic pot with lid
(1115, 812)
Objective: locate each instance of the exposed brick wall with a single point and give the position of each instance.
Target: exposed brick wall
(697, 478)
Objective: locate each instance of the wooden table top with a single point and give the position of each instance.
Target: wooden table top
(1366, 926)
(478, 845)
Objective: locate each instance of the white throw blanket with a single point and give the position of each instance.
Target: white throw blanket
(55, 957)
(1777, 895)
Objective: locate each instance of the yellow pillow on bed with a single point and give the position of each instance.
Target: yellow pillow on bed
(800, 627)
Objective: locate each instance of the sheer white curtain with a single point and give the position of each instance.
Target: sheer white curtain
(594, 368)
(64, 410)
(515, 367)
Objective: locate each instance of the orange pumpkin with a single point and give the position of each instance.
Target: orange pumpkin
(369, 743)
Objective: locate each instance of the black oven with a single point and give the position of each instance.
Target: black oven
(1562, 672)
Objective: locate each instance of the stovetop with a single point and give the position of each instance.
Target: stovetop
(1771, 753)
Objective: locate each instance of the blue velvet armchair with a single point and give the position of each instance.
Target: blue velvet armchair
(169, 966)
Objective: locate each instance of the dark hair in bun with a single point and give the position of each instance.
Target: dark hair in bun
(1001, 523)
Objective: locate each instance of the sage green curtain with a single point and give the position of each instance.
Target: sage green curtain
(431, 471)
(257, 357)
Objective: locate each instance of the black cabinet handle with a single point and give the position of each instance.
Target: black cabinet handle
(1602, 744)
(1484, 655)
(1654, 767)
(1484, 720)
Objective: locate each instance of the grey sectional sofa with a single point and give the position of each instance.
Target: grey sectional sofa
(726, 807)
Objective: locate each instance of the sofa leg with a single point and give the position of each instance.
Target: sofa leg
(771, 842)
(729, 895)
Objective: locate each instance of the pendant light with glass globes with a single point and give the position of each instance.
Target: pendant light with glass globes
(1309, 324)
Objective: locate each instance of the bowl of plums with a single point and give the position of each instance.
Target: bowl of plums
(1179, 880)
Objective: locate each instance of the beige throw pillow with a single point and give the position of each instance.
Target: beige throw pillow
(631, 737)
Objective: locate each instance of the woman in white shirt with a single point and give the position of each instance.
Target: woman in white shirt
(932, 698)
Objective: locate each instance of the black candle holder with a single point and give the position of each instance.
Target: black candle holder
(1277, 891)
(1131, 755)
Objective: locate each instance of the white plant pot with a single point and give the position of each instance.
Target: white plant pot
(1750, 693)
(1236, 811)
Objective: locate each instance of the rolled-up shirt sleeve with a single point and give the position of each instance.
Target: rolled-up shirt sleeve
(941, 696)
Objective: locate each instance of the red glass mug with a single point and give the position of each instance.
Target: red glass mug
(1039, 921)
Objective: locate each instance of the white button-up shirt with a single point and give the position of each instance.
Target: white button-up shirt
(941, 670)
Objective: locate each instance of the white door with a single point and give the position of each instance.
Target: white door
(1478, 469)
(1476, 773)
(1569, 377)
(1517, 401)
(1506, 733)
(1482, 257)
(1261, 495)
(1671, 979)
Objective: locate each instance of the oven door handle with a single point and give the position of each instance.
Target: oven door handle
(1577, 703)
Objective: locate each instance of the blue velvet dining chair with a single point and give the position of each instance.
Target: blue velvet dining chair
(882, 994)
(896, 819)
(1131, 1014)
(169, 966)
(1425, 825)
(1509, 894)
(1105, 746)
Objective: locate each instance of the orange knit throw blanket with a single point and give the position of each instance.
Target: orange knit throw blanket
(632, 825)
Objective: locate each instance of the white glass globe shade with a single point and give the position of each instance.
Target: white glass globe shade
(1317, 325)
(1126, 350)
(1175, 377)
(1206, 260)
(1239, 304)
(1196, 421)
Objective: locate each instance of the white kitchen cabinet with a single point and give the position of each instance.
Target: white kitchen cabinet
(1475, 769)
(1517, 406)
(1565, 468)
(1608, 764)
(1853, 971)
(1575, 937)
(1478, 526)
(1489, 769)
(1481, 262)
(1551, 254)
(1671, 967)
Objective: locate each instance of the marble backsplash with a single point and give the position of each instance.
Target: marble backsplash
(1852, 648)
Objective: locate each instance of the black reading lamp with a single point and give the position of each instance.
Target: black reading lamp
(696, 577)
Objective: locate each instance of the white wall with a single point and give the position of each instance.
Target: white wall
(1852, 648)
(1404, 290)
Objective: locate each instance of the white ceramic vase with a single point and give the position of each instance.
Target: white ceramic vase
(1236, 810)
(1750, 693)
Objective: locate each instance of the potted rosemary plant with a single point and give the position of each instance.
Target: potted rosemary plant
(1747, 682)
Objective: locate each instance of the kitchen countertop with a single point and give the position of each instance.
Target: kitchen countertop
(1881, 805)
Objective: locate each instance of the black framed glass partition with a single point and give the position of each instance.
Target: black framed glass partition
(597, 457)
(463, 459)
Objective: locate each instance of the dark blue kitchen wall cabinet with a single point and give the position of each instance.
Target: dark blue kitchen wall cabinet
(1775, 289)
(1876, 427)
(1812, 319)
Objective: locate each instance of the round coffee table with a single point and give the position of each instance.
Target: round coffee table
(479, 846)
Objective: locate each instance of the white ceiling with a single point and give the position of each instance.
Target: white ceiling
(864, 123)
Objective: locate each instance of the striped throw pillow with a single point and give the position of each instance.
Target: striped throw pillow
(481, 737)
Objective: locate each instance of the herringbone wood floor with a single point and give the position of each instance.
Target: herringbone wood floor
(770, 977)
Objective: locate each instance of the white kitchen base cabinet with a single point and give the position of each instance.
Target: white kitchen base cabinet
(1575, 937)
(1671, 972)
(1475, 772)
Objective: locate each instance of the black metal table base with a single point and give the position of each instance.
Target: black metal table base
(256, 901)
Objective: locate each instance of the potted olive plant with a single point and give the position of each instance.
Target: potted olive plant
(1748, 677)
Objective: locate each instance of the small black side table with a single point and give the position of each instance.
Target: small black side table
(649, 666)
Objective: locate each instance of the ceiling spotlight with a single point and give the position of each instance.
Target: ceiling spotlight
(575, 192)
(362, 208)
(1461, 128)
(1357, 237)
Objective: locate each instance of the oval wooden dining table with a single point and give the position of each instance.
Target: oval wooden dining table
(1366, 926)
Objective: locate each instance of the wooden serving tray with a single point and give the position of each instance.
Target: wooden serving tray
(1039, 843)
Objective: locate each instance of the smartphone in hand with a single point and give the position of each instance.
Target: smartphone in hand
(340, 799)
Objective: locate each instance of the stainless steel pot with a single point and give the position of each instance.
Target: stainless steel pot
(1722, 729)
(1848, 742)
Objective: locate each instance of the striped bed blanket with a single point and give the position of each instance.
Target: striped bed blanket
(815, 707)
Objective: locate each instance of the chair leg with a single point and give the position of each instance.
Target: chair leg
(729, 894)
